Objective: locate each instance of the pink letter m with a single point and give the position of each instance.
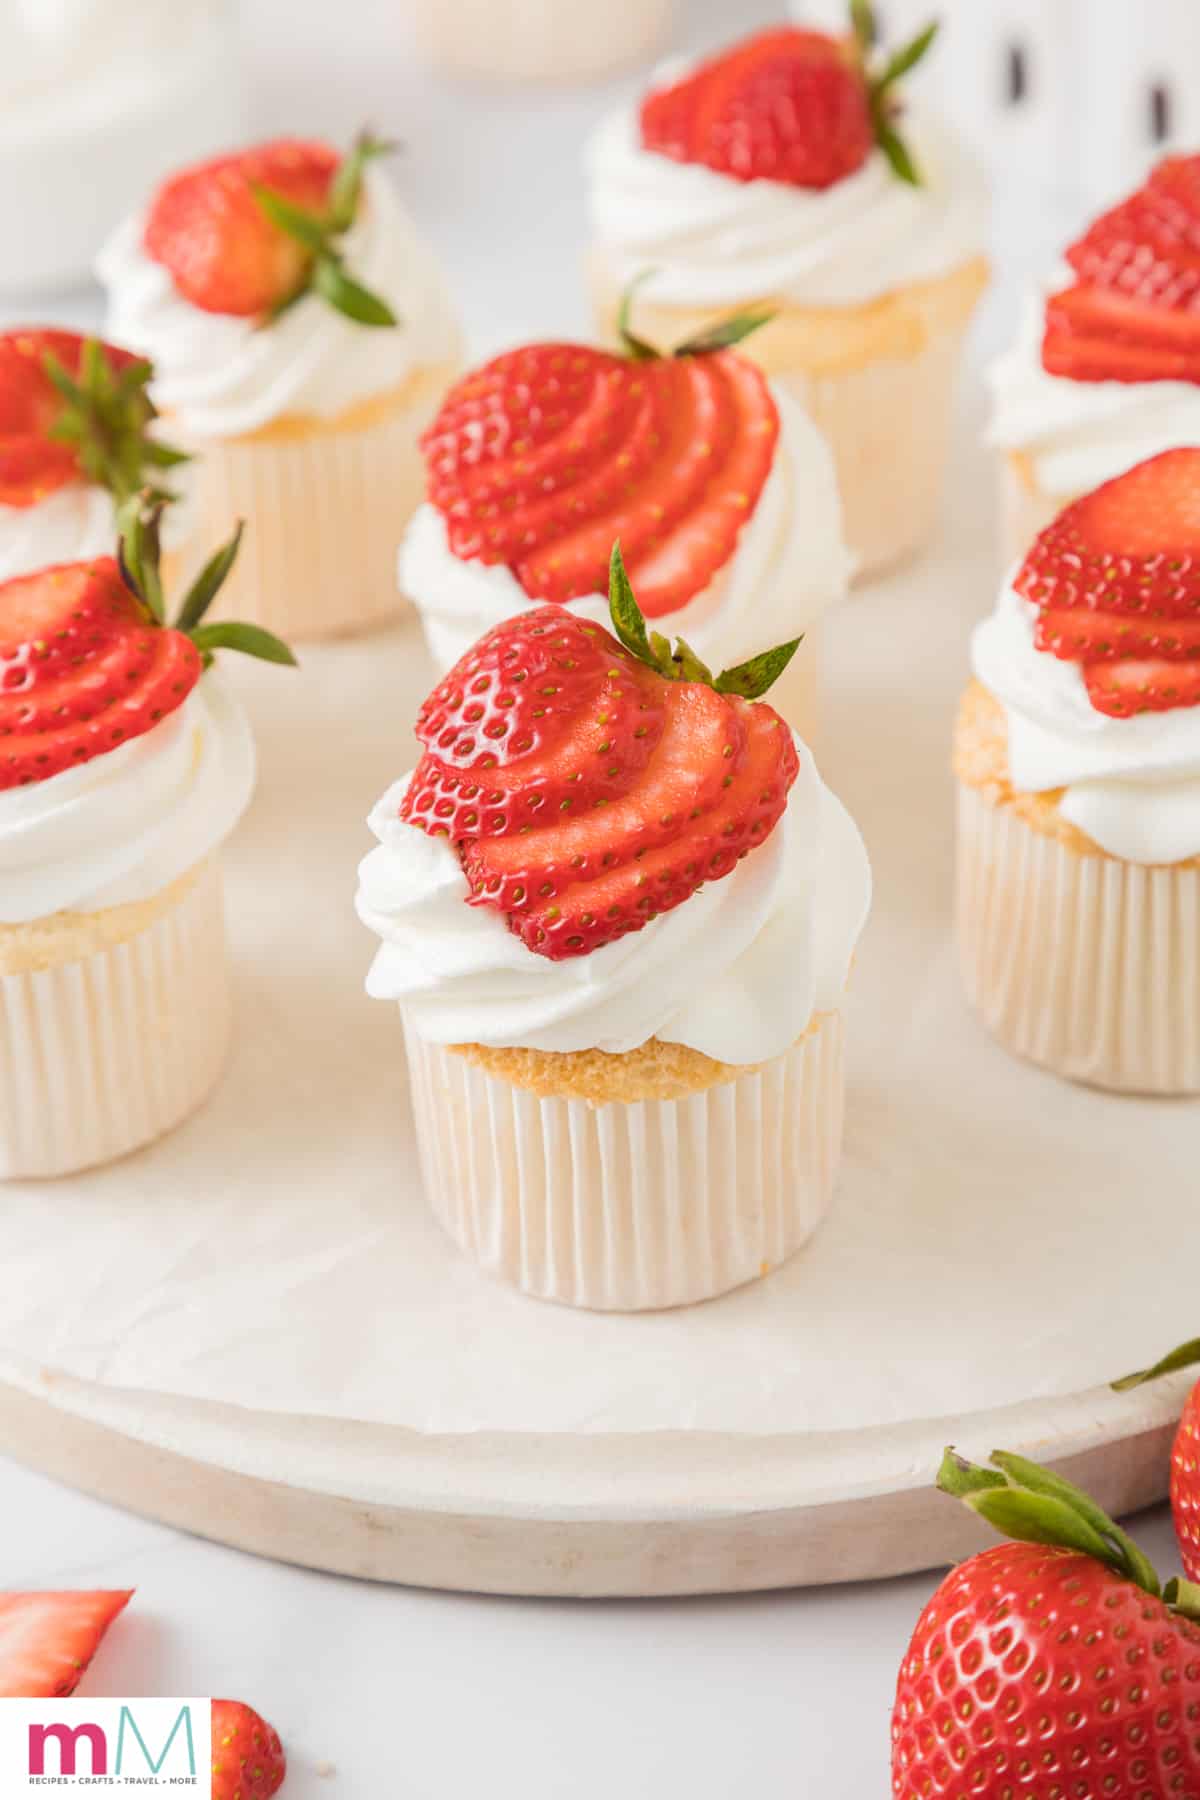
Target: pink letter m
(68, 1742)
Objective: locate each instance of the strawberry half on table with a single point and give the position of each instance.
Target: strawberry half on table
(252, 233)
(789, 105)
(1116, 581)
(75, 409)
(591, 782)
(89, 659)
(1133, 311)
(48, 1639)
(1053, 1665)
(248, 1762)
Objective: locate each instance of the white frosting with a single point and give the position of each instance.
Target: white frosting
(714, 241)
(1132, 785)
(125, 825)
(73, 524)
(219, 376)
(736, 972)
(1081, 433)
(790, 563)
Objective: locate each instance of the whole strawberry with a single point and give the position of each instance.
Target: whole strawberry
(73, 408)
(248, 1762)
(1185, 1454)
(1053, 1667)
(252, 233)
(788, 105)
(592, 782)
(89, 661)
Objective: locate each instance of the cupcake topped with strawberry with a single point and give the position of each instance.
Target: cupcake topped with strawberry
(785, 166)
(1093, 658)
(123, 758)
(720, 491)
(75, 442)
(606, 842)
(277, 281)
(1106, 370)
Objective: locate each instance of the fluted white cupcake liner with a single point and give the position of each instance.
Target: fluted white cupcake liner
(1085, 964)
(106, 1052)
(539, 40)
(887, 424)
(632, 1205)
(324, 512)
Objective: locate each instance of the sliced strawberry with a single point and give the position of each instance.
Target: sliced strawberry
(788, 105)
(83, 669)
(208, 230)
(589, 914)
(692, 551)
(701, 740)
(547, 455)
(33, 463)
(248, 1762)
(47, 1640)
(1082, 634)
(1124, 688)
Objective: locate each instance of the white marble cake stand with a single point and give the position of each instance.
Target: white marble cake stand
(254, 1330)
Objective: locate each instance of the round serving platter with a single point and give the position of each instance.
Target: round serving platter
(253, 1330)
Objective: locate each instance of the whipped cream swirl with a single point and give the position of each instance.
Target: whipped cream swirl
(125, 825)
(789, 565)
(714, 241)
(217, 376)
(736, 972)
(1131, 785)
(1081, 433)
(73, 524)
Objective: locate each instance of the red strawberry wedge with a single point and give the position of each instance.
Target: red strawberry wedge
(47, 1640)
(87, 663)
(250, 233)
(590, 783)
(248, 1762)
(1116, 580)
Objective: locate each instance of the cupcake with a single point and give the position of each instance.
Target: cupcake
(1078, 761)
(124, 764)
(617, 908)
(1106, 370)
(75, 441)
(718, 487)
(301, 336)
(538, 40)
(774, 174)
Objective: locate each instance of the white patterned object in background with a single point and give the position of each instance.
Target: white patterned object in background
(98, 100)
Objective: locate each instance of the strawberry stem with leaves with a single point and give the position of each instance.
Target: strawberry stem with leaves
(106, 418)
(721, 336)
(1022, 1500)
(139, 559)
(881, 81)
(319, 234)
(750, 680)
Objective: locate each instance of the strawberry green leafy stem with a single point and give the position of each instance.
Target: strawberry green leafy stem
(1022, 1500)
(1181, 1358)
(721, 336)
(106, 418)
(750, 680)
(882, 101)
(138, 555)
(319, 233)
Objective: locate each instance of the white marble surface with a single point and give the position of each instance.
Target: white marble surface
(434, 1696)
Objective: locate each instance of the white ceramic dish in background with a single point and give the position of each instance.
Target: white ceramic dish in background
(99, 99)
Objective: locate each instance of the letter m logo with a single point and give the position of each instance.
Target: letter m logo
(67, 1738)
(128, 1722)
